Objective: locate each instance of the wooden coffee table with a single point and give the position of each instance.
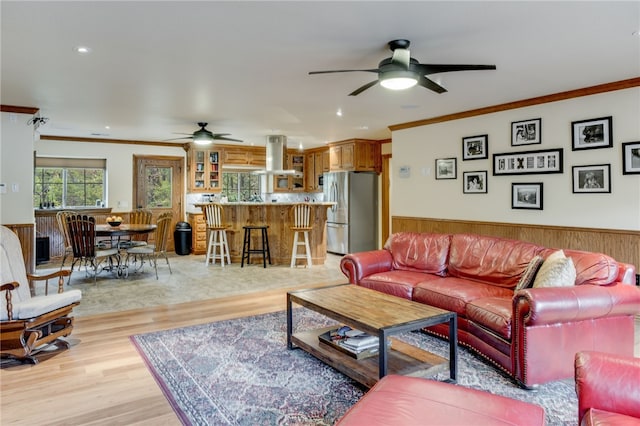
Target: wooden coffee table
(378, 314)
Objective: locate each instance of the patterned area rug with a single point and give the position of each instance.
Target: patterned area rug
(239, 372)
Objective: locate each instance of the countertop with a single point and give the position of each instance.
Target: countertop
(248, 203)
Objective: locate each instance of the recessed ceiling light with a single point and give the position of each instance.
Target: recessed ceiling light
(339, 112)
(82, 50)
(107, 127)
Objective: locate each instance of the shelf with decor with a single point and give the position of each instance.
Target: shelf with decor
(204, 171)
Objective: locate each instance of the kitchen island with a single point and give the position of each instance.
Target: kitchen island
(277, 217)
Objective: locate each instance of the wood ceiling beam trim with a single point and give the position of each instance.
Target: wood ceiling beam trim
(115, 141)
(570, 94)
(19, 109)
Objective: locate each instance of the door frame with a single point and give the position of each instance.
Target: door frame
(178, 188)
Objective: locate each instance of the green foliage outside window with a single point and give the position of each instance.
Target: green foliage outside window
(68, 187)
(158, 187)
(240, 186)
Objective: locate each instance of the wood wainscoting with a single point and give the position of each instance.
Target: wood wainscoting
(622, 245)
(26, 235)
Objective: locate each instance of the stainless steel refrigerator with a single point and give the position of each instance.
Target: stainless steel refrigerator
(352, 223)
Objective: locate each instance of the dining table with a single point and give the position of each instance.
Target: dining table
(117, 232)
(106, 230)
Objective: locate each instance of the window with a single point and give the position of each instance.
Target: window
(240, 186)
(66, 182)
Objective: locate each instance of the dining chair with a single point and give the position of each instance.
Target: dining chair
(152, 252)
(301, 224)
(61, 219)
(141, 217)
(214, 216)
(82, 234)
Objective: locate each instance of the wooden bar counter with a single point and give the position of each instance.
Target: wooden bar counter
(277, 217)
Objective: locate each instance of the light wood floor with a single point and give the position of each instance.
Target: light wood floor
(102, 380)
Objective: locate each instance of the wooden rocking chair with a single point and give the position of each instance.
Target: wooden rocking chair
(29, 324)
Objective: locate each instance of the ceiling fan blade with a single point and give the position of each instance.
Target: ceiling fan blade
(363, 88)
(427, 69)
(332, 71)
(177, 139)
(216, 135)
(431, 85)
(227, 139)
(402, 57)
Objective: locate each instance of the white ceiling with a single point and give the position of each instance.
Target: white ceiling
(158, 67)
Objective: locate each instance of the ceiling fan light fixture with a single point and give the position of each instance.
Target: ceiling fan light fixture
(398, 80)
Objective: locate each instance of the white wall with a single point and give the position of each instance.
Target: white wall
(421, 195)
(119, 164)
(16, 169)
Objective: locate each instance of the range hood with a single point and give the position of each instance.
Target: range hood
(276, 157)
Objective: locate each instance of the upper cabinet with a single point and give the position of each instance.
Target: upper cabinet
(317, 163)
(360, 155)
(292, 183)
(244, 156)
(204, 170)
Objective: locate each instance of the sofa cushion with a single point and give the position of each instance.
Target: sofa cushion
(529, 274)
(396, 283)
(493, 313)
(453, 294)
(421, 252)
(593, 268)
(495, 260)
(556, 271)
(595, 417)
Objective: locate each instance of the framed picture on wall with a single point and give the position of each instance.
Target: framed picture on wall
(631, 158)
(474, 182)
(526, 196)
(475, 147)
(592, 134)
(528, 162)
(446, 168)
(593, 178)
(527, 132)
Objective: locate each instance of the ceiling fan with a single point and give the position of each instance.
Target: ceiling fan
(203, 136)
(401, 71)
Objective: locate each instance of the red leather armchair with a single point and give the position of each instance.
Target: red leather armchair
(608, 388)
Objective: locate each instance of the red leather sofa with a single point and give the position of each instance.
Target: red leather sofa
(411, 401)
(531, 334)
(608, 388)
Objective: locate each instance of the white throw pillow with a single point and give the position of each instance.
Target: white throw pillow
(556, 271)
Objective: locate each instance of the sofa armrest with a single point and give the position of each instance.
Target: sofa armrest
(626, 273)
(607, 382)
(356, 266)
(551, 305)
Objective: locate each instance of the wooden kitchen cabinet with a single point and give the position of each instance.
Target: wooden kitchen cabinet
(198, 233)
(317, 164)
(244, 156)
(292, 183)
(358, 155)
(204, 171)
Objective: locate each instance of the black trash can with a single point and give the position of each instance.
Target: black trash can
(182, 238)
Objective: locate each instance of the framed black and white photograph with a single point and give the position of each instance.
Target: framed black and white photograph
(528, 162)
(474, 182)
(527, 132)
(475, 147)
(526, 196)
(592, 134)
(593, 178)
(631, 158)
(446, 168)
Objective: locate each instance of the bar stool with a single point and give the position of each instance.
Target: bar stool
(301, 223)
(214, 216)
(246, 245)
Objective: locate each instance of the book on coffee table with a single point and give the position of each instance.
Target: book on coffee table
(359, 346)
